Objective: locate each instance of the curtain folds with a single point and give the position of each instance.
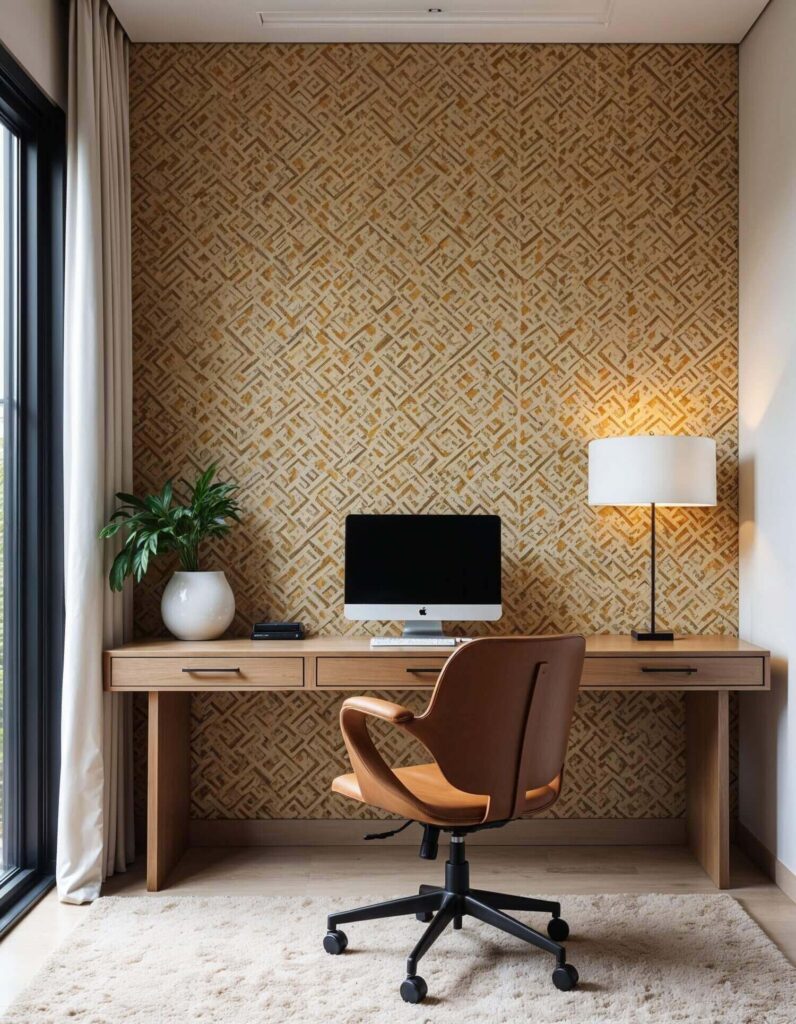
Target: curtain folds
(95, 815)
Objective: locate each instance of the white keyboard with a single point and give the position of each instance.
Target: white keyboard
(413, 641)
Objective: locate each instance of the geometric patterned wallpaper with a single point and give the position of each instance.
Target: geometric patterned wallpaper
(294, 737)
(270, 755)
(422, 278)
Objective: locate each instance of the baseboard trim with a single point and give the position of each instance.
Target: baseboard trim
(760, 855)
(530, 832)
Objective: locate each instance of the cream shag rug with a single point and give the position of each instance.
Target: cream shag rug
(239, 960)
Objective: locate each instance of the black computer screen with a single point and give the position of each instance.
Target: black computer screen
(435, 559)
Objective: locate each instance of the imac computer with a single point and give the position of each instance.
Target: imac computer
(422, 569)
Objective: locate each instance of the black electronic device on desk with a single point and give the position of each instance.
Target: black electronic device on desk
(278, 631)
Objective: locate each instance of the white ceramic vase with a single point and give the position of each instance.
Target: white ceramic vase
(197, 605)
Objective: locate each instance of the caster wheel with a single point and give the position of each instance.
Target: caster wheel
(558, 929)
(335, 942)
(565, 977)
(425, 918)
(414, 990)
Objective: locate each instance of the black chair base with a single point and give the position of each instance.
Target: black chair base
(440, 906)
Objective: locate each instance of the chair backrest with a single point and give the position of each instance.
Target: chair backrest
(499, 718)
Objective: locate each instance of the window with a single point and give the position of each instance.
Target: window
(9, 262)
(31, 631)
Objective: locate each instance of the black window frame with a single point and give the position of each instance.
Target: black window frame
(33, 581)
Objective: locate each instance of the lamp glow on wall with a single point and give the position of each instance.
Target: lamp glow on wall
(652, 470)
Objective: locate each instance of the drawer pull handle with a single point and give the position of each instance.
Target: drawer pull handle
(213, 670)
(687, 670)
(437, 670)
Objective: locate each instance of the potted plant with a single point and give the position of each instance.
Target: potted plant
(197, 604)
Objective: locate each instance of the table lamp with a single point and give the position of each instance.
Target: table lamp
(652, 470)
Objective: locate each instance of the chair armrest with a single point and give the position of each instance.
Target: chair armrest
(377, 780)
(377, 708)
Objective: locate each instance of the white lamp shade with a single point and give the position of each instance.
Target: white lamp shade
(645, 469)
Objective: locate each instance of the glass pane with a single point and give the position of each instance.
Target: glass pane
(9, 234)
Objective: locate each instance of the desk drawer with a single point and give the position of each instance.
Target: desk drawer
(680, 673)
(378, 673)
(216, 673)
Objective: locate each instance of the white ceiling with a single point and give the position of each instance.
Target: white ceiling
(438, 21)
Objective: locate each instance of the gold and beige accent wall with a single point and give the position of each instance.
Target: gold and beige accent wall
(421, 279)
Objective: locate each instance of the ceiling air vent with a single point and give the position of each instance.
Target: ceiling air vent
(451, 12)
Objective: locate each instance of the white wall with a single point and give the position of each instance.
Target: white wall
(35, 32)
(767, 410)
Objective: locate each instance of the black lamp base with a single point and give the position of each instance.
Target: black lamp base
(639, 634)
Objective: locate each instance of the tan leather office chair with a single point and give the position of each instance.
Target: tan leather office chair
(497, 727)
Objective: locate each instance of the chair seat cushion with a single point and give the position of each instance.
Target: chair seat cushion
(430, 786)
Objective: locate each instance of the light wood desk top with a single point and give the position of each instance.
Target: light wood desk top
(599, 645)
(612, 645)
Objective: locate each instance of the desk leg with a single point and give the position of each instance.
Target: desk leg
(708, 781)
(169, 784)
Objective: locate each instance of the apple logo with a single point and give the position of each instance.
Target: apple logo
(422, 611)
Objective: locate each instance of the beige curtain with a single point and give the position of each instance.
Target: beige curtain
(95, 815)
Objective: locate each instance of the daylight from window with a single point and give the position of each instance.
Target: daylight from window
(7, 326)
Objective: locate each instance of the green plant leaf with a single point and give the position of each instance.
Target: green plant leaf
(130, 499)
(119, 571)
(154, 526)
(140, 563)
(152, 503)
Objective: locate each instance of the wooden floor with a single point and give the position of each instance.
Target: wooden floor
(385, 870)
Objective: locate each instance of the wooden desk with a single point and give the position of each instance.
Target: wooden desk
(705, 668)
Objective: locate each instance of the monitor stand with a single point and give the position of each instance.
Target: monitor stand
(419, 628)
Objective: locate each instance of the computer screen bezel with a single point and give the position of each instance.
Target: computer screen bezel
(419, 611)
